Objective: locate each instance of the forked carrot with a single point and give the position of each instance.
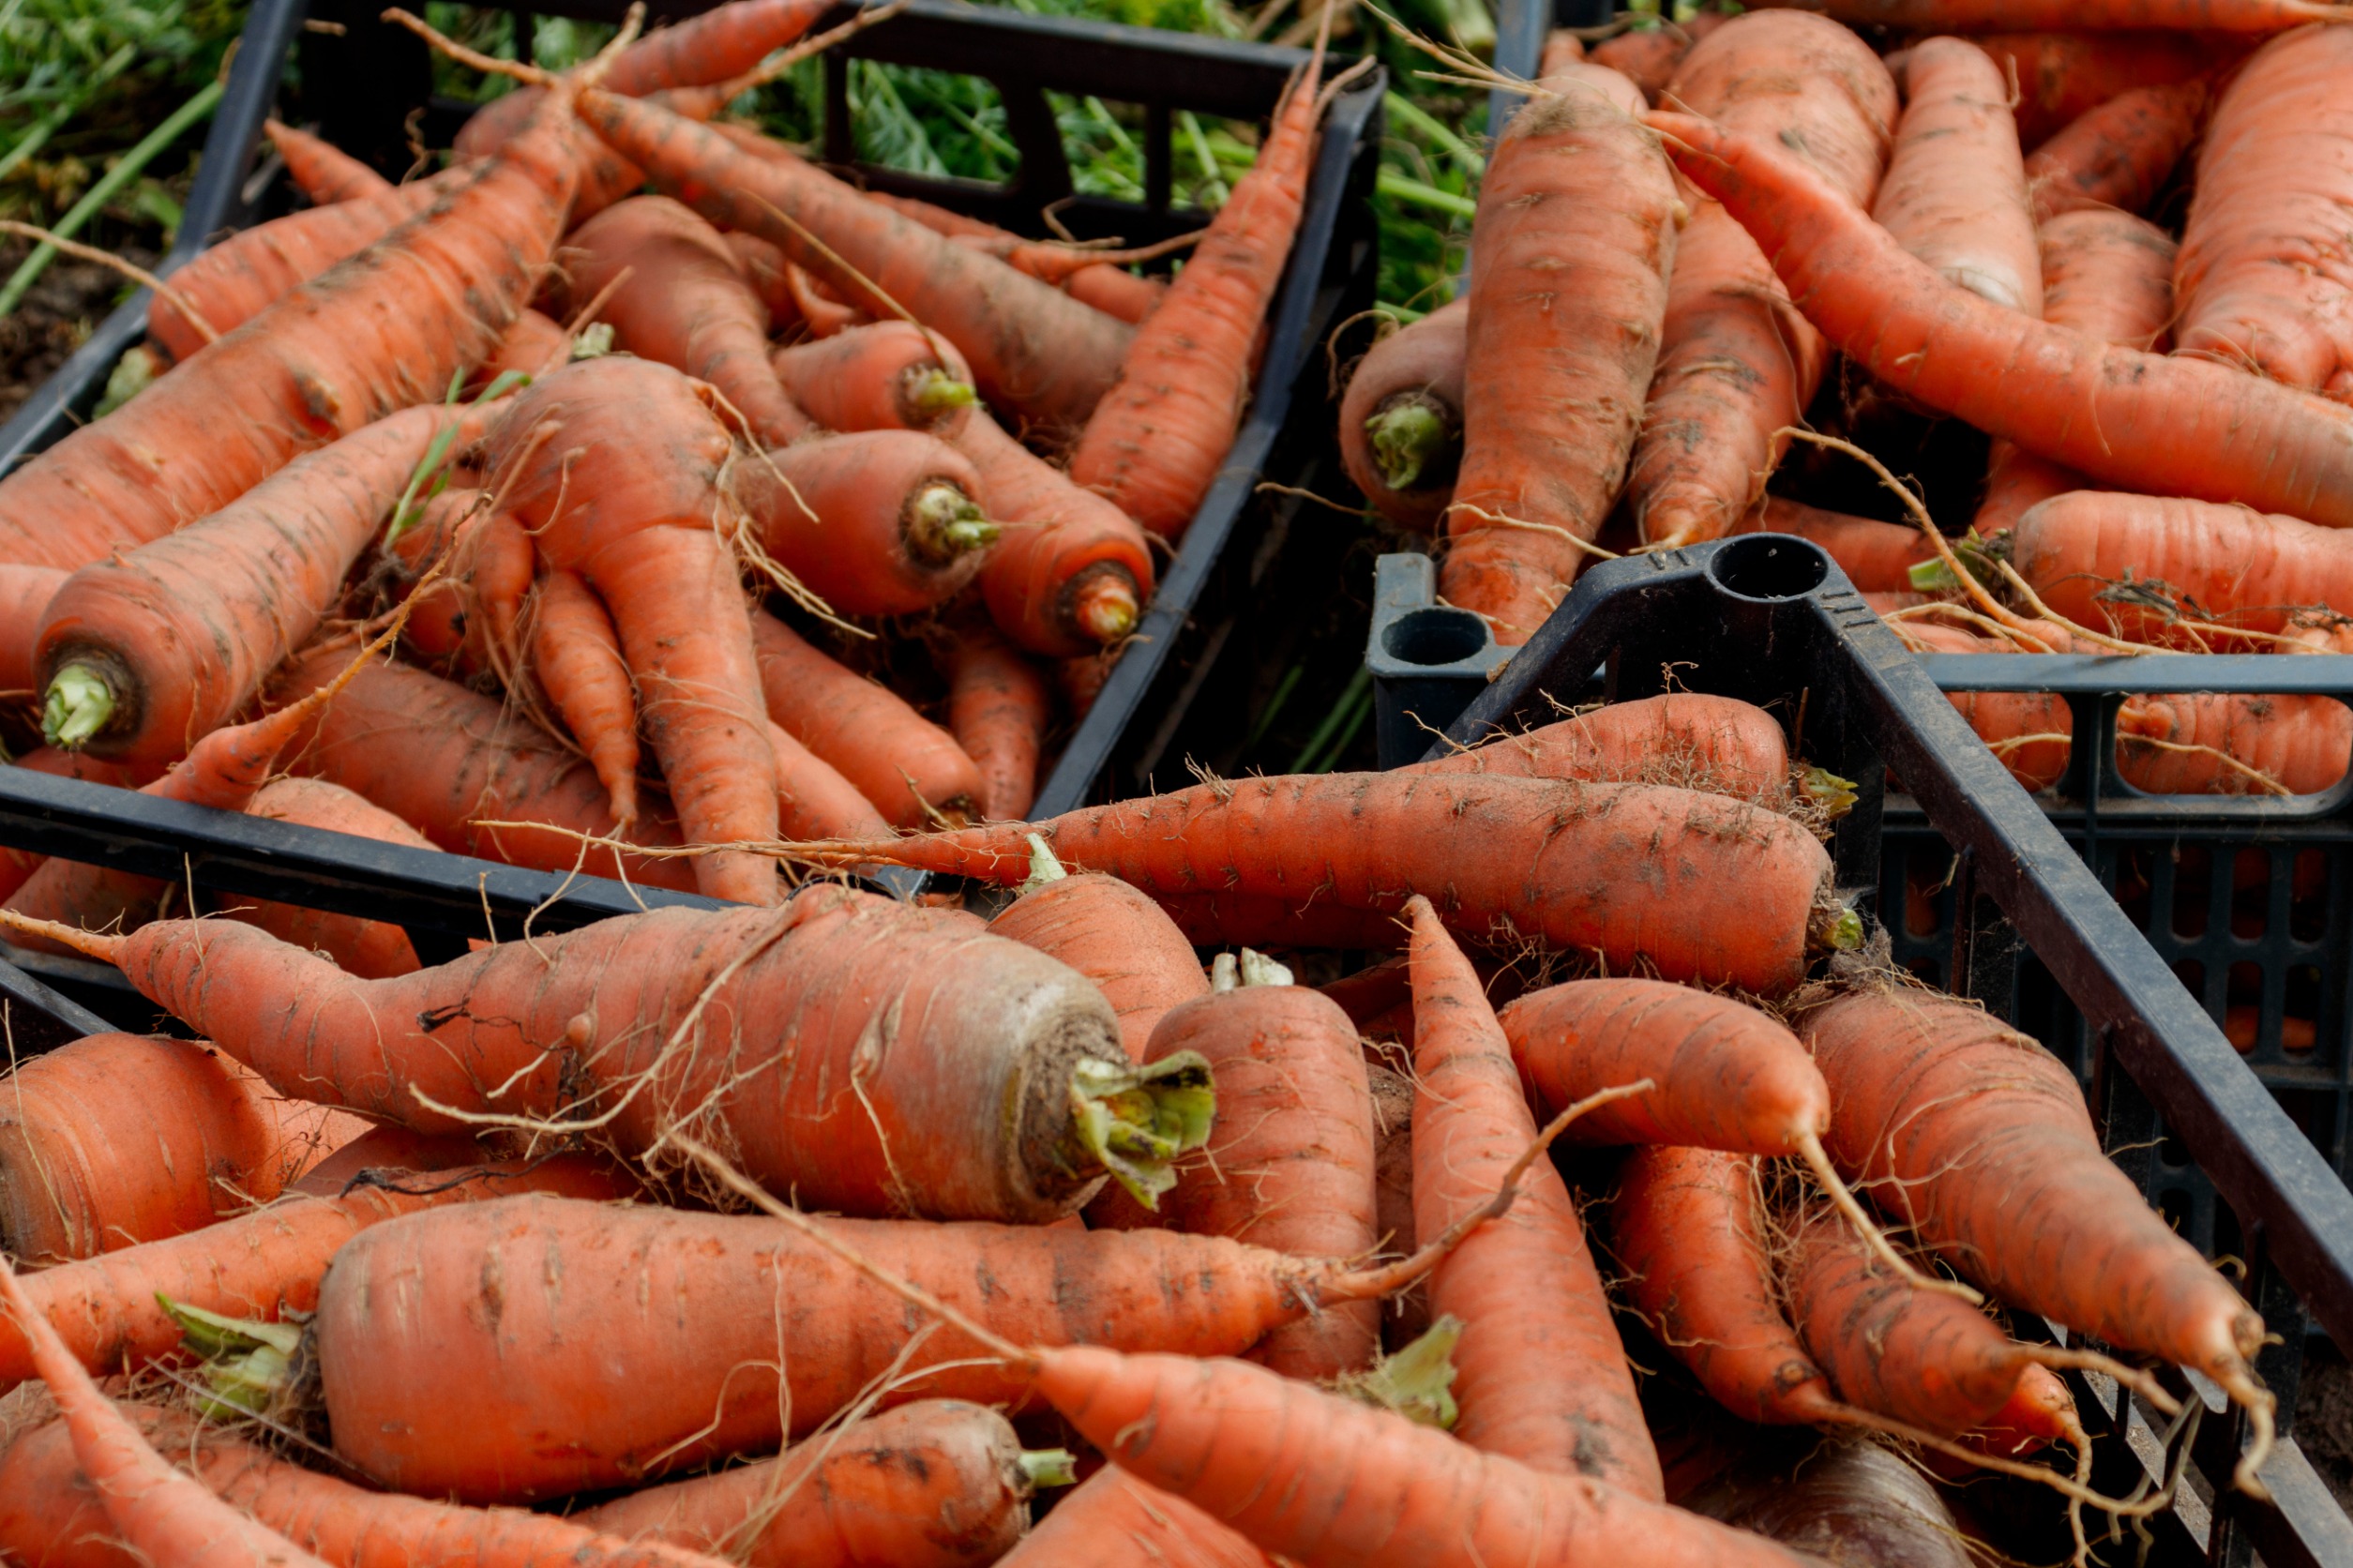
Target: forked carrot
(911, 770)
(576, 656)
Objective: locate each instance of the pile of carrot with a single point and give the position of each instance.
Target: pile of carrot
(2090, 284)
(1494, 1160)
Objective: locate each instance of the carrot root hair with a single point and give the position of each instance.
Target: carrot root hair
(1850, 1208)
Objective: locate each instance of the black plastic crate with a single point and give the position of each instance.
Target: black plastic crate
(1771, 620)
(370, 77)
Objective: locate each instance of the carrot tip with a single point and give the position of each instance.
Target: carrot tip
(1133, 1120)
(1418, 1381)
(79, 703)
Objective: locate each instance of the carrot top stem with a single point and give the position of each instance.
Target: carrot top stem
(1044, 867)
(1042, 1467)
(247, 1363)
(942, 522)
(932, 392)
(1134, 1120)
(1417, 1381)
(79, 703)
(1835, 796)
(1835, 929)
(1406, 436)
(1104, 605)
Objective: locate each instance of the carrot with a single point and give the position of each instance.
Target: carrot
(379, 331)
(440, 631)
(146, 652)
(25, 594)
(1646, 56)
(2115, 155)
(532, 346)
(999, 709)
(1737, 363)
(764, 267)
(1114, 935)
(162, 1515)
(876, 522)
(1004, 1093)
(2263, 279)
(2215, 745)
(52, 1514)
(1367, 841)
(1687, 1230)
(1955, 194)
(18, 865)
(889, 375)
(684, 301)
(1401, 422)
(1978, 16)
(323, 172)
(371, 949)
(2027, 730)
(1039, 350)
(1290, 1164)
(115, 1139)
(1976, 1138)
(1115, 1517)
(907, 766)
(2164, 423)
(1155, 444)
(2108, 274)
(428, 1389)
(576, 656)
(1541, 1376)
(1876, 557)
(614, 467)
(939, 1483)
(1572, 176)
(607, 177)
(1071, 571)
(812, 796)
(1109, 288)
(1562, 47)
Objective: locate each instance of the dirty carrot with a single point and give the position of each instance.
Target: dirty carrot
(907, 766)
(999, 707)
(875, 522)
(2117, 154)
(1070, 572)
(1401, 422)
(1114, 935)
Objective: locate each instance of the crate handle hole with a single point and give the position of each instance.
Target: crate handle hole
(1438, 635)
(1770, 566)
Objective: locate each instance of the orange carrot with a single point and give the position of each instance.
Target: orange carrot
(371, 949)
(1974, 16)
(146, 652)
(2263, 279)
(1573, 175)
(907, 766)
(1114, 935)
(1115, 1517)
(1687, 1230)
(1071, 571)
(1109, 288)
(1877, 557)
(161, 1513)
(1155, 444)
(576, 656)
(1540, 1374)
(2063, 76)
(1562, 47)
(2115, 155)
(1367, 841)
(999, 708)
(877, 523)
(812, 796)
(2169, 423)
(1401, 422)
(52, 1514)
(24, 595)
(1290, 1164)
(685, 302)
(320, 170)
(2027, 730)
(1037, 349)
(446, 760)
(18, 865)
(1688, 738)
(613, 465)
(2207, 745)
(1978, 1137)
(1956, 193)
(764, 267)
(939, 1483)
(1737, 363)
(1646, 56)
(379, 331)
(888, 376)
(116, 1140)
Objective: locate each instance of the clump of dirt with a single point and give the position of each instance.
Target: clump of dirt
(2324, 1421)
(55, 316)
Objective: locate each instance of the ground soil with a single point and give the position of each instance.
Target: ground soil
(56, 316)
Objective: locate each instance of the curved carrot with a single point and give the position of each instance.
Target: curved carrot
(673, 292)
(323, 172)
(1541, 1376)
(1154, 446)
(886, 375)
(1114, 935)
(368, 336)
(999, 709)
(576, 656)
(2028, 730)
(115, 1139)
(2164, 423)
(2263, 279)
(938, 1484)
(144, 653)
(1877, 557)
(1070, 572)
(1560, 861)
(2201, 744)
(1109, 288)
(1573, 175)
(1115, 1517)
(1956, 193)
(1737, 363)
(371, 949)
(876, 522)
(613, 465)
(1031, 345)
(1978, 1137)
(1401, 422)
(907, 766)
(1687, 1230)
(1290, 1164)
(2117, 154)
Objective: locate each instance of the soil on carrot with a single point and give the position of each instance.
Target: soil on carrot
(57, 316)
